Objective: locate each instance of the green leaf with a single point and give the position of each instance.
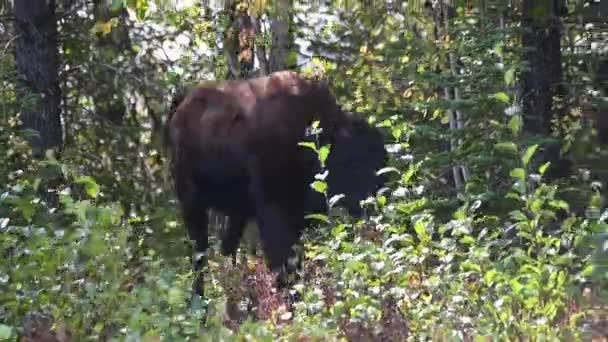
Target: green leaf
(318, 217)
(498, 49)
(515, 124)
(381, 200)
(506, 147)
(36, 184)
(520, 187)
(27, 208)
(376, 32)
(141, 9)
(308, 144)
(337, 229)
(420, 229)
(489, 277)
(176, 295)
(560, 204)
(470, 266)
(407, 177)
(90, 186)
(319, 186)
(467, 240)
(510, 76)
(536, 206)
(5, 332)
(397, 132)
(323, 153)
(518, 215)
(94, 246)
(588, 271)
(528, 154)
(518, 173)
(501, 96)
(357, 267)
(516, 286)
(543, 168)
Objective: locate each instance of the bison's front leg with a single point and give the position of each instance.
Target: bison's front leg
(273, 221)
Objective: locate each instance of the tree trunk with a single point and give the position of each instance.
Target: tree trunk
(541, 81)
(239, 41)
(279, 27)
(441, 14)
(260, 49)
(38, 63)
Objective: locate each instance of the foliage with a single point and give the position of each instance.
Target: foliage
(91, 240)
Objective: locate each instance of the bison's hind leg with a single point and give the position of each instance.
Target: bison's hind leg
(231, 236)
(194, 214)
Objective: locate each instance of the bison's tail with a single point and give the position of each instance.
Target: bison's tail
(177, 99)
(167, 143)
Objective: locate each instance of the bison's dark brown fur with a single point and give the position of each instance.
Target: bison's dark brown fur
(357, 153)
(234, 148)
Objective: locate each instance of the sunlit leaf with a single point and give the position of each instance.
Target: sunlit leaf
(489, 276)
(397, 133)
(560, 204)
(319, 186)
(338, 229)
(510, 76)
(518, 215)
(5, 332)
(507, 147)
(323, 153)
(502, 97)
(420, 229)
(543, 168)
(308, 144)
(176, 295)
(103, 27)
(467, 240)
(516, 286)
(528, 154)
(588, 271)
(470, 266)
(90, 186)
(515, 124)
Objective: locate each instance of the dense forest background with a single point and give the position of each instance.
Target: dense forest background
(493, 226)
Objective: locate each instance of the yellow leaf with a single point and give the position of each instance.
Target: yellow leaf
(106, 28)
(446, 118)
(103, 27)
(407, 93)
(258, 7)
(436, 113)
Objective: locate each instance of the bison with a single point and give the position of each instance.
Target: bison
(234, 148)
